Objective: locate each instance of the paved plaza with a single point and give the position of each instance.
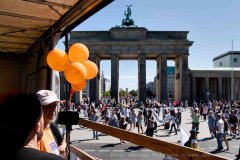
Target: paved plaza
(108, 147)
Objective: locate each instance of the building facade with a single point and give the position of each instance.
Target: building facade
(215, 83)
(228, 59)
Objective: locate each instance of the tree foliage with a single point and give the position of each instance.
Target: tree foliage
(133, 92)
(106, 94)
(122, 93)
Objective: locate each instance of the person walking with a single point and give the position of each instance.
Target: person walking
(173, 120)
(179, 118)
(123, 125)
(233, 123)
(195, 119)
(150, 123)
(225, 132)
(21, 127)
(140, 121)
(93, 117)
(219, 131)
(211, 124)
(133, 118)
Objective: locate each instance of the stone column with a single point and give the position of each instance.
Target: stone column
(228, 89)
(207, 89)
(161, 86)
(235, 83)
(182, 82)
(115, 77)
(94, 84)
(220, 95)
(194, 88)
(185, 78)
(238, 89)
(142, 77)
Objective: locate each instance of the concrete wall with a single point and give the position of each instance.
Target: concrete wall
(13, 74)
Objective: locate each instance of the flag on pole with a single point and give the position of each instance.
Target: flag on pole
(157, 118)
(183, 136)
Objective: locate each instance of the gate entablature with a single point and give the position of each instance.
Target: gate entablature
(130, 42)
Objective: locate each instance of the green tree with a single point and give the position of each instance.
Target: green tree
(106, 94)
(133, 92)
(122, 93)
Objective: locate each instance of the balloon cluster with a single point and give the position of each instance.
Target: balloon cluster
(76, 66)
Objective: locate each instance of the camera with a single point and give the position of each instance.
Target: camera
(68, 117)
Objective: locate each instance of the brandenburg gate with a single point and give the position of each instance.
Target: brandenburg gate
(137, 43)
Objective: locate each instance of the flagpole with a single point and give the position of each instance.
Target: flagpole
(231, 62)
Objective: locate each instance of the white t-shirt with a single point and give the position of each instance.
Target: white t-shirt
(126, 112)
(108, 114)
(220, 126)
(194, 141)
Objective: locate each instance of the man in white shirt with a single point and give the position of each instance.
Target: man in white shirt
(220, 130)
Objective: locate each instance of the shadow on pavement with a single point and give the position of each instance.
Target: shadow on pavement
(133, 148)
(216, 151)
(80, 128)
(205, 139)
(78, 141)
(110, 145)
(165, 135)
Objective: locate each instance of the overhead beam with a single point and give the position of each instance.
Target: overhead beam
(27, 17)
(24, 28)
(9, 42)
(49, 3)
(19, 36)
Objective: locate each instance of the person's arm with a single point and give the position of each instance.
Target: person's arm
(62, 147)
(60, 140)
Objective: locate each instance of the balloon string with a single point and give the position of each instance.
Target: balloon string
(70, 95)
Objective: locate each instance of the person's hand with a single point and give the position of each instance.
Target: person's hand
(62, 147)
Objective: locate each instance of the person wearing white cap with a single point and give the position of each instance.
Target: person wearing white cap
(48, 143)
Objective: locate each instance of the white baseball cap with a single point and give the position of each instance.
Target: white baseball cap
(47, 97)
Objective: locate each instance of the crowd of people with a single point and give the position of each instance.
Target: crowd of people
(128, 114)
(223, 119)
(32, 118)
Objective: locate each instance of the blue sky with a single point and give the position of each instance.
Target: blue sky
(212, 24)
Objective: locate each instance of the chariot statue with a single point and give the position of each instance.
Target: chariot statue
(128, 21)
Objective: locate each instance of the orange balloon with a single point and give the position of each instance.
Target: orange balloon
(92, 69)
(78, 52)
(78, 87)
(57, 60)
(75, 73)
